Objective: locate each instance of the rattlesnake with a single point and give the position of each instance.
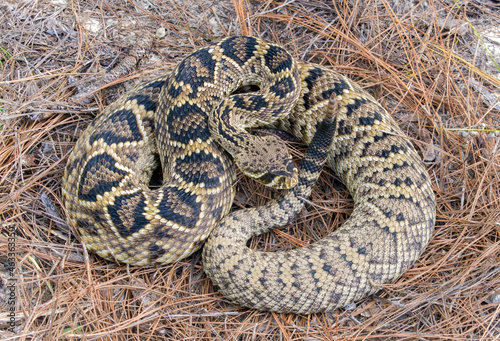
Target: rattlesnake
(106, 194)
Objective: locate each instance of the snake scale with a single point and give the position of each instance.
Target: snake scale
(197, 122)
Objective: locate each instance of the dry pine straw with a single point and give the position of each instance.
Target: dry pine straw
(418, 58)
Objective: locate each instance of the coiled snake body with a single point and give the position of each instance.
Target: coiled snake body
(106, 183)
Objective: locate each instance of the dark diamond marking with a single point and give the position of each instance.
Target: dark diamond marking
(149, 105)
(188, 70)
(251, 103)
(118, 118)
(231, 48)
(283, 87)
(155, 85)
(183, 127)
(174, 91)
(180, 207)
(200, 168)
(95, 169)
(122, 208)
(358, 102)
(271, 58)
(366, 121)
(310, 80)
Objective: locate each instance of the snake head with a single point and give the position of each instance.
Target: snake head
(268, 161)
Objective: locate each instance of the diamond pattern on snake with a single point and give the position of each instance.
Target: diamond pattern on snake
(198, 124)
